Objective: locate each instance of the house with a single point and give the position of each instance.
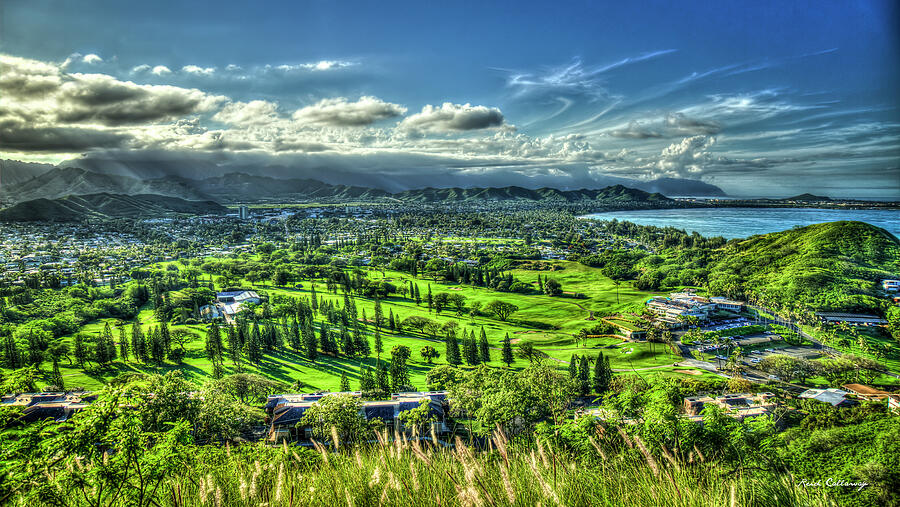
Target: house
(238, 296)
(832, 396)
(229, 303)
(731, 305)
(865, 392)
(286, 410)
(739, 406)
(894, 403)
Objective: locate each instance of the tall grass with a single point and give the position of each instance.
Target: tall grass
(395, 471)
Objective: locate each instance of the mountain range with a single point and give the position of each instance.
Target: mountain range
(21, 181)
(76, 208)
(60, 182)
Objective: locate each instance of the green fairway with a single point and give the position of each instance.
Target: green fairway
(550, 323)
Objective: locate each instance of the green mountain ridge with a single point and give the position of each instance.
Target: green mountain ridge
(75, 208)
(242, 187)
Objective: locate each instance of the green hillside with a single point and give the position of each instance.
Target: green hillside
(76, 208)
(829, 266)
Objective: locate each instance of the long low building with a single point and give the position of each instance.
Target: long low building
(58, 406)
(286, 410)
(850, 318)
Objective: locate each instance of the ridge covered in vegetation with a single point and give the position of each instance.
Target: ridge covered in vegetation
(74, 208)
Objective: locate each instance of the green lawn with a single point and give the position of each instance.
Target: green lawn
(548, 322)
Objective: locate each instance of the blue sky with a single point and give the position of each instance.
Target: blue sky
(768, 98)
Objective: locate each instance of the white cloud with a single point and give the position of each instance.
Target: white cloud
(255, 112)
(451, 117)
(161, 70)
(43, 108)
(91, 59)
(321, 65)
(686, 158)
(232, 67)
(340, 112)
(140, 69)
(200, 71)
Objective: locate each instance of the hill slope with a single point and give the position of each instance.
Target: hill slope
(104, 205)
(829, 266)
(61, 182)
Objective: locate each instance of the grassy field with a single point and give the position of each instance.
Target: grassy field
(548, 322)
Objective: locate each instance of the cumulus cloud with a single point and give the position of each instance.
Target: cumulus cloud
(138, 69)
(104, 99)
(161, 70)
(199, 71)
(25, 78)
(686, 158)
(91, 59)
(451, 117)
(255, 112)
(43, 108)
(340, 112)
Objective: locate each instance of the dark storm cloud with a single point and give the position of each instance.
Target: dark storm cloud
(453, 117)
(58, 139)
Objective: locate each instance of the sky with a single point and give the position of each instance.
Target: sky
(759, 98)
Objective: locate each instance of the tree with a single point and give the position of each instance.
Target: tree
(501, 309)
(12, 357)
(507, 351)
(484, 351)
(366, 380)
(527, 351)
(234, 348)
(470, 349)
(441, 378)
(138, 342)
(253, 347)
(429, 353)
(418, 417)
(79, 350)
(399, 371)
(452, 352)
(379, 314)
(602, 374)
(248, 386)
(56, 376)
(584, 376)
(157, 349)
(310, 344)
(123, 344)
(573, 367)
(214, 348)
(382, 377)
(341, 413)
(379, 345)
(345, 383)
(552, 287)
